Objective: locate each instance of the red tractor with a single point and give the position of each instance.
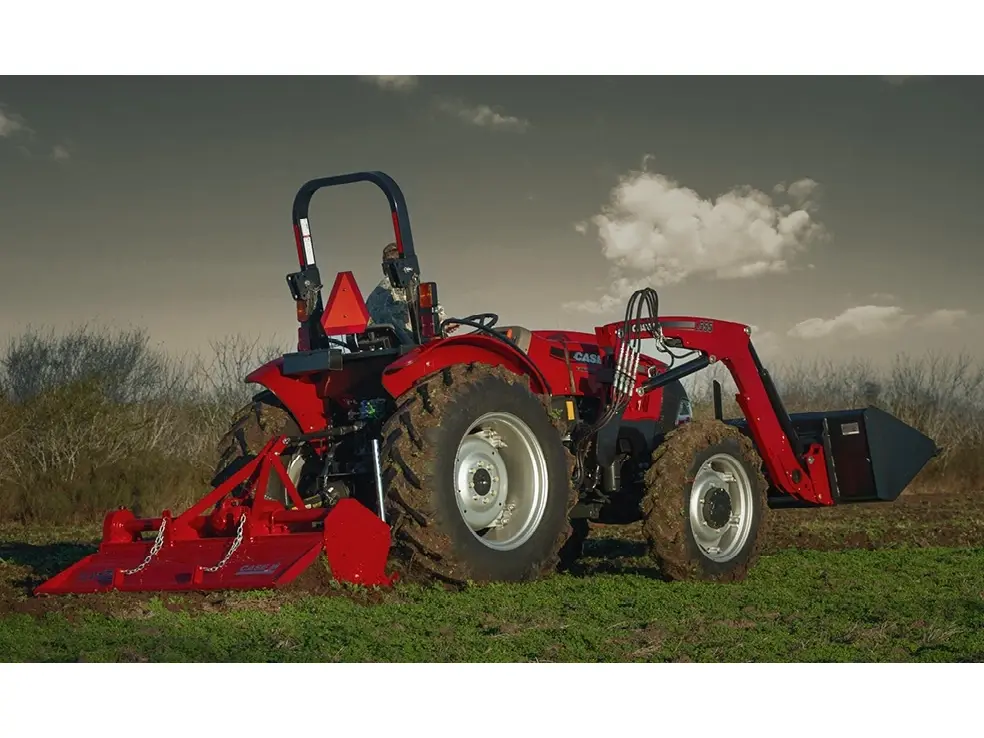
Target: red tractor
(483, 455)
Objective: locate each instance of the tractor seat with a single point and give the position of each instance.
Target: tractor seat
(374, 332)
(519, 335)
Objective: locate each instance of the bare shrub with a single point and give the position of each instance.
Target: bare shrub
(218, 380)
(77, 406)
(122, 363)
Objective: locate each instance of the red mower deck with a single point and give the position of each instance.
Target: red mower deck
(245, 543)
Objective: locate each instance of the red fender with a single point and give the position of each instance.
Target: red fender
(432, 357)
(298, 395)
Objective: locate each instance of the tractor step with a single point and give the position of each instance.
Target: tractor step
(253, 543)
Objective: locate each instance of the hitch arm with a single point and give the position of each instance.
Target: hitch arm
(798, 471)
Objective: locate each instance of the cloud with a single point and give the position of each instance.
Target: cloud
(656, 232)
(883, 296)
(394, 83)
(863, 320)
(801, 190)
(11, 123)
(478, 115)
(869, 320)
(942, 319)
(483, 115)
(766, 342)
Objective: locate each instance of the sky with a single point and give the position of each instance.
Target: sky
(839, 216)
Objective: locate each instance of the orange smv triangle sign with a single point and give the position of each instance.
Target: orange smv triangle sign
(346, 310)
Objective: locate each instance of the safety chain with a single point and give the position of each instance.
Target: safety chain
(232, 548)
(158, 542)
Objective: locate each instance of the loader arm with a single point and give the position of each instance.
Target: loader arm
(797, 471)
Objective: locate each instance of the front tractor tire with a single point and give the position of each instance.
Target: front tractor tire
(477, 479)
(705, 507)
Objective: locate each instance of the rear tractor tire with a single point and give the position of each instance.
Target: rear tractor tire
(705, 507)
(252, 427)
(477, 479)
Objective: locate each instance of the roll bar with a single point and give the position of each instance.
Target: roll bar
(406, 268)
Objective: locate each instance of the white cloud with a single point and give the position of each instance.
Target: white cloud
(11, 123)
(883, 296)
(395, 83)
(766, 342)
(581, 227)
(656, 232)
(801, 190)
(483, 115)
(867, 320)
(863, 320)
(942, 319)
(60, 153)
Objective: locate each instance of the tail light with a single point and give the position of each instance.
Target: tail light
(427, 325)
(427, 300)
(427, 292)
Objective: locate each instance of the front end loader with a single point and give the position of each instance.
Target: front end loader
(481, 456)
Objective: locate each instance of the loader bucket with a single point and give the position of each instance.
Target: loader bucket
(249, 544)
(872, 455)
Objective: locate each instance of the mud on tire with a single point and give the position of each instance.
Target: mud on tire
(420, 444)
(697, 460)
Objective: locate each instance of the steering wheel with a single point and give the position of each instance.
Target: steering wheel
(483, 318)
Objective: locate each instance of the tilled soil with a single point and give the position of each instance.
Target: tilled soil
(915, 520)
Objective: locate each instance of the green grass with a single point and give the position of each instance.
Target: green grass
(817, 595)
(892, 605)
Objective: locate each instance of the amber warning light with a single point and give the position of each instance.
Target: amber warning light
(426, 292)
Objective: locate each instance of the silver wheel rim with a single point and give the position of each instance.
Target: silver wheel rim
(721, 507)
(501, 481)
(293, 467)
